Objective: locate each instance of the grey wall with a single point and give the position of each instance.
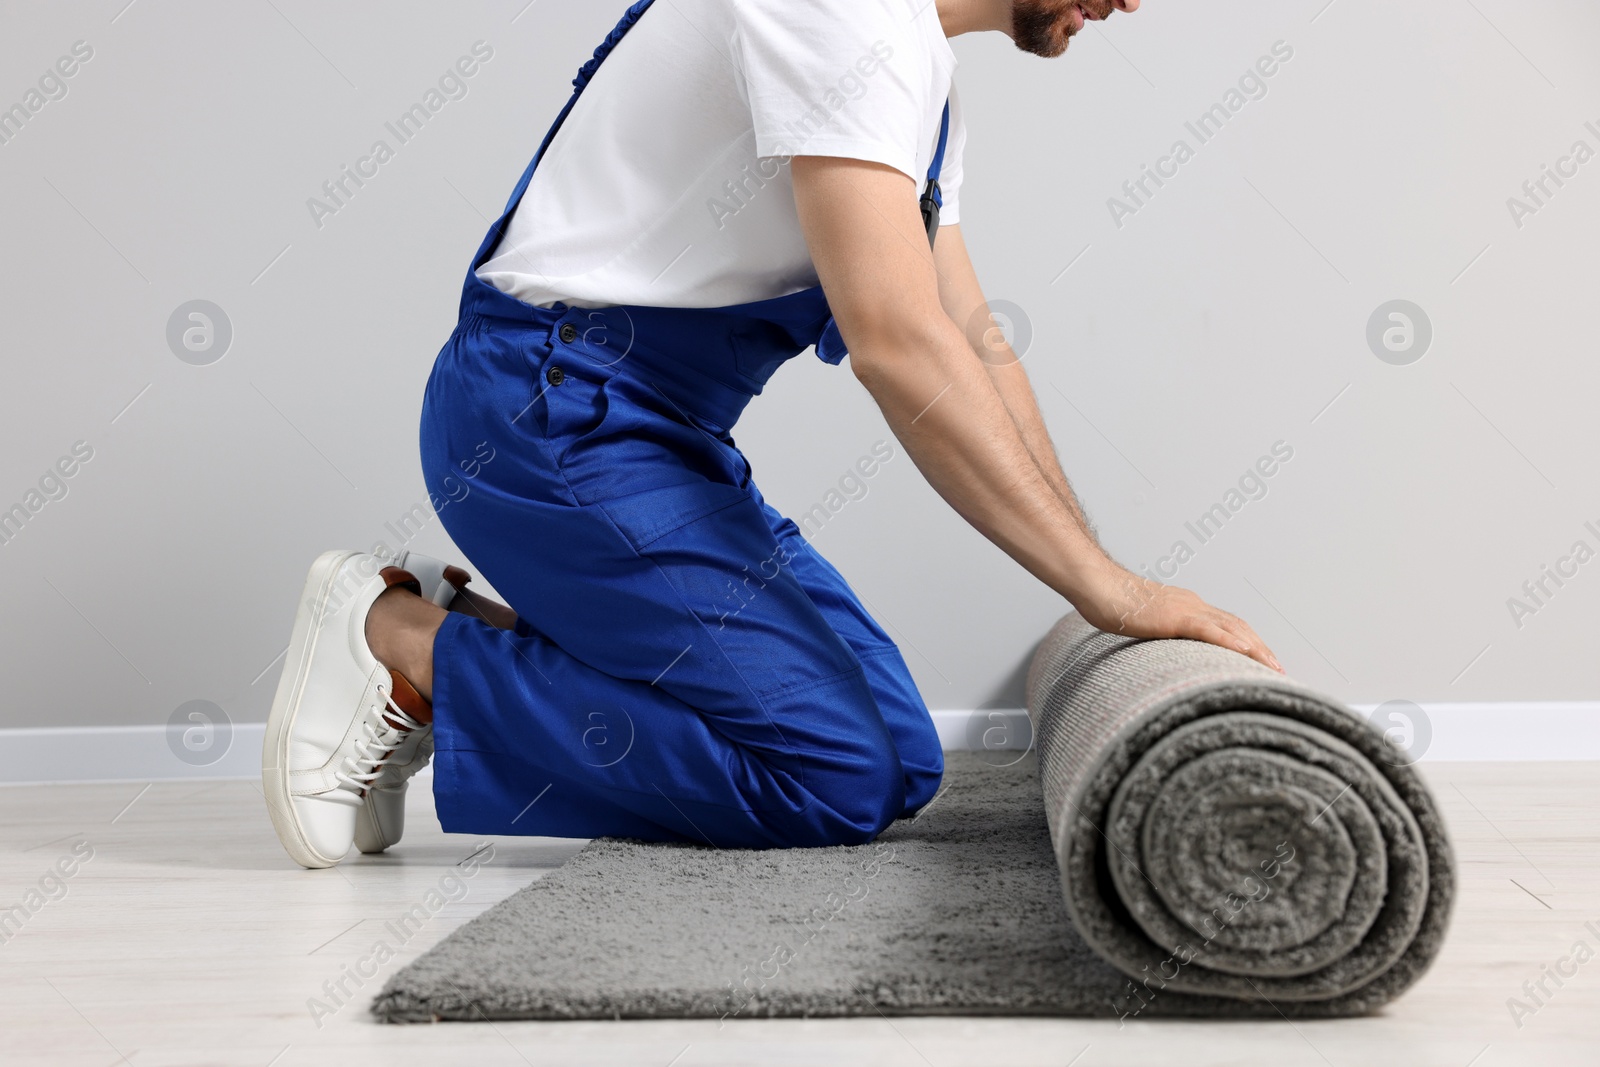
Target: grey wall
(1227, 313)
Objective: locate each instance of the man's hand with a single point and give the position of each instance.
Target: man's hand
(1126, 603)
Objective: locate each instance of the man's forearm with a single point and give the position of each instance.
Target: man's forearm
(963, 302)
(945, 408)
(1016, 392)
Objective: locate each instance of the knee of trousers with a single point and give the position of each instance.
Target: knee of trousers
(842, 815)
(850, 789)
(870, 811)
(923, 780)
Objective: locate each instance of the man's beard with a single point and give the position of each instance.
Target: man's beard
(1042, 27)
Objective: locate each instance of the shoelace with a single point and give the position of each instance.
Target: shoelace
(416, 742)
(383, 728)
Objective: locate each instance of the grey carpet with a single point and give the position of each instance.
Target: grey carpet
(1172, 773)
(1223, 830)
(958, 911)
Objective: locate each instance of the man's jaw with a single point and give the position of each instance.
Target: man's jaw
(1046, 27)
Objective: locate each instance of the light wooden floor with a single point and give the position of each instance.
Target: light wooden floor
(189, 938)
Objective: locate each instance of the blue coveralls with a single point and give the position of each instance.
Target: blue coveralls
(685, 667)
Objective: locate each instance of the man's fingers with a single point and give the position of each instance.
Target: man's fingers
(1263, 655)
(1257, 649)
(1213, 632)
(1173, 612)
(1226, 631)
(1261, 646)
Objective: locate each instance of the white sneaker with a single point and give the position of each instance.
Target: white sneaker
(381, 821)
(336, 716)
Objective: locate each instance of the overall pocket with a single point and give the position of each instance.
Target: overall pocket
(573, 403)
(615, 436)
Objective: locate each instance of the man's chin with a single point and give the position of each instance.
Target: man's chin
(1045, 27)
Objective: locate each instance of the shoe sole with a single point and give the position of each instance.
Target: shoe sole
(286, 706)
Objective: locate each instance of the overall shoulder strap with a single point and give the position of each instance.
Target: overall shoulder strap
(579, 84)
(937, 165)
(932, 197)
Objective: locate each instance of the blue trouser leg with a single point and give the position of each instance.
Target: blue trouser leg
(674, 677)
(899, 702)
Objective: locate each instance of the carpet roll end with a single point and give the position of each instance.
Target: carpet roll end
(1223, 831)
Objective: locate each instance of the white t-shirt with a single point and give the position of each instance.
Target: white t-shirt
(669, 186)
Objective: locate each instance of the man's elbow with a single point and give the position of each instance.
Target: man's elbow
(886, 347)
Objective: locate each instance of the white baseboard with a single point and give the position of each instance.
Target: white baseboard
(119, 753)
(1005, 729)
(1532, 730)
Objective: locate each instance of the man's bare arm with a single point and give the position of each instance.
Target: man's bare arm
(871, 253)
(962, 298)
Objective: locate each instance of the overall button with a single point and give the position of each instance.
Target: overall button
(555, 375)
(569, 333)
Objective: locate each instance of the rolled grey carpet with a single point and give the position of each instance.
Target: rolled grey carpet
(1226, 832)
